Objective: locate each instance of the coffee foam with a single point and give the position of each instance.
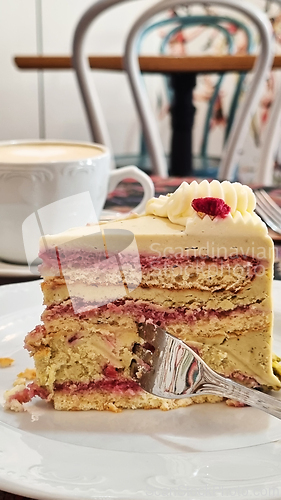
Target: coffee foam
(46, 153)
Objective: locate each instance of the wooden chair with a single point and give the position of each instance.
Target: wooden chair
(271, 139)
(227, 169)
(93, 110)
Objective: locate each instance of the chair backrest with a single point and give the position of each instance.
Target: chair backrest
(94, 113)
(243, 116)
(217, 22)
(271, 139)
(270, 142)
(214, 21)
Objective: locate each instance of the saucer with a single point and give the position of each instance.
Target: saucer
(16, 270)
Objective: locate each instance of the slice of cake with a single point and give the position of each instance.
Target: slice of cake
(199, 264)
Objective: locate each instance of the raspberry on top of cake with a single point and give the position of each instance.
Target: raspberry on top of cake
(198, 263)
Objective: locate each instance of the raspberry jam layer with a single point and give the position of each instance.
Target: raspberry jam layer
(119, 386)
(144, 312)
(54, 261)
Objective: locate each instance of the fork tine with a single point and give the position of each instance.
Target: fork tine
(179, 372)
(152, 334)
(268, 211)
(270, 201)
(266, 218)
(273, 208)
(169, 363)
(263, 211)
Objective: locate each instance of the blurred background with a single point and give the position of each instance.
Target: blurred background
(47, 104)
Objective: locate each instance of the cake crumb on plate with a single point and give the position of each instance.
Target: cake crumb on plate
(5, 362)
(28, 374)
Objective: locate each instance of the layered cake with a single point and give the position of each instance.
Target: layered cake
(198, 263)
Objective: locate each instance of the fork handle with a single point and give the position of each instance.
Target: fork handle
(243, 394)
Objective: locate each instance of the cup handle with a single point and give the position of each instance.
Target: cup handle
(133, 172)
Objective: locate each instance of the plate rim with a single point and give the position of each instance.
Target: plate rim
(153, 469)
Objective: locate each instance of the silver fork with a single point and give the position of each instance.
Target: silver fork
(172, 370)
(268, 210)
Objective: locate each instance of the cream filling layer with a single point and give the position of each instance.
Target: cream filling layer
(198, 323)
(257, 293)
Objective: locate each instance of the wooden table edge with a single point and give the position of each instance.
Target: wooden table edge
(149, 64)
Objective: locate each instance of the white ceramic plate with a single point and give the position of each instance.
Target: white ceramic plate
(204, 451)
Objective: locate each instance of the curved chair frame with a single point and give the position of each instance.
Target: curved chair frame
(235, 141)
(212, 21)
(271, 140)
(270, 143)
(185, 22)
(94, 113)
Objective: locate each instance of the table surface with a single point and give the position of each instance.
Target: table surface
(148, 64)
(132, 193)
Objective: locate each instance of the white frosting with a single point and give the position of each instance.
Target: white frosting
(241, 222)
(178, 209)
(177, 206)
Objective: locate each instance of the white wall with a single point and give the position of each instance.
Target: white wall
(18, 91)
(20, 113)
(64, 116)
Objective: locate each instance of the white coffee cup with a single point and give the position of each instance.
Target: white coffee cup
(49, 186)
